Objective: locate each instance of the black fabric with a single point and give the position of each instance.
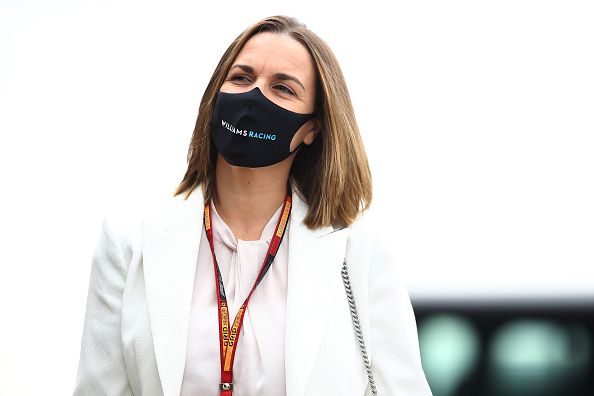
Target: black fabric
(250, 130)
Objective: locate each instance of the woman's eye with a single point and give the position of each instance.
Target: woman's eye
(239, 78)
(284, 89)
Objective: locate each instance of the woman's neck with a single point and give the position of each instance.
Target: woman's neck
(247, 198)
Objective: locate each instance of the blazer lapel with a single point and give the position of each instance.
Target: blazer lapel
(315, 262)
(170, 251)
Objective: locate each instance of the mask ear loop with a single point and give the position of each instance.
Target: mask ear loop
(296, 148)
(313, 115)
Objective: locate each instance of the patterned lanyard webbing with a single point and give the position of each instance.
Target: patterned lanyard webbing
(228, 337)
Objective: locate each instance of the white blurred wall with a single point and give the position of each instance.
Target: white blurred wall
(478, 120)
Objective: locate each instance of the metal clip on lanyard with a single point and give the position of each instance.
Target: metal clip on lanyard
(228, 338)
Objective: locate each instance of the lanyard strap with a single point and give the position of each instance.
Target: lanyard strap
(228, 338)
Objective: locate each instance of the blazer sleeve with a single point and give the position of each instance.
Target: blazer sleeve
(395, 356)
(102, 370)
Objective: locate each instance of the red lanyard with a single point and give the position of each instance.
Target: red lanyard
(228, 338)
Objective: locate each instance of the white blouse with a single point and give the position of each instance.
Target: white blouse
(259, 367)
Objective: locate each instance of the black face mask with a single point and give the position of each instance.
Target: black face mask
(251, 131)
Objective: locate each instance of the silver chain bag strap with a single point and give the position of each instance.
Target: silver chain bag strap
(357, 326)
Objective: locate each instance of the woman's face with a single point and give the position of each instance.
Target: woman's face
(284, 71)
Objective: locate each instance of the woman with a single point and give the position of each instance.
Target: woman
(266, 215)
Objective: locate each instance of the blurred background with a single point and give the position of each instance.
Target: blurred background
(477, 118)
(506, 347)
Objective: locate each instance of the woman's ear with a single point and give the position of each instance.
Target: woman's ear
(316, 127)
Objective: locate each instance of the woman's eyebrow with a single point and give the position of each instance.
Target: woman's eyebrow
(278, 76)
(245, 68)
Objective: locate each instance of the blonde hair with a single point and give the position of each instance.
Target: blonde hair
(332, 174)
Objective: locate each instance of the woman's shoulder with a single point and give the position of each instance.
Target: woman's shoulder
(367, 228)
(170, 213)
(124, 226)
(370, 242)
(121, 237)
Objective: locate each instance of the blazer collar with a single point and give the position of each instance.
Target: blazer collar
(170, 252)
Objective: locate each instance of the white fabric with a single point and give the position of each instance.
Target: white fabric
(140, 296)
(259, 367)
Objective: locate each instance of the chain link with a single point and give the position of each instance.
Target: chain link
(357, 326)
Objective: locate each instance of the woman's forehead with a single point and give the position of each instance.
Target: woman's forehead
(269, 53)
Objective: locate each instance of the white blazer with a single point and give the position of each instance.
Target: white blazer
(138, 309)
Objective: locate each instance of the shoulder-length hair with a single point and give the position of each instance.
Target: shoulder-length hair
(332, 174)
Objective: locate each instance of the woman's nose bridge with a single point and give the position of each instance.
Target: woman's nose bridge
(264, 87)
(262, 83)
